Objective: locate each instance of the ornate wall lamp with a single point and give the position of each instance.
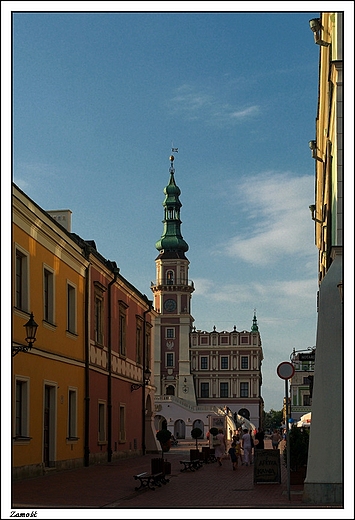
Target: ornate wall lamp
(31, 331)
(313, 147)
(316, 28)
(147, 373)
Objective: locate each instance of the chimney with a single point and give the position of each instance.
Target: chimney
(63, 217)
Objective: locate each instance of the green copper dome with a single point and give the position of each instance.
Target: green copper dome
(171, 239)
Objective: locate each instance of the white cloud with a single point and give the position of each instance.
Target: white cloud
(276, 206)
(194, 103)
(293, 297)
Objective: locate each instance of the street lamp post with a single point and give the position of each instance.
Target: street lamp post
(146, 375)
(31, 331)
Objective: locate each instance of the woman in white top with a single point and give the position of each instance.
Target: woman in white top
(220, 446)
(246, 445)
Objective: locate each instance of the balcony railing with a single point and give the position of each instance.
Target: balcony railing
(179, 281)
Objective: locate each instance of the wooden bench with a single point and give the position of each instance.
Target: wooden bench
(150, 481)
(191, 465)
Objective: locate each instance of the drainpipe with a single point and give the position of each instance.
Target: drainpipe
(145, 365)
(86, 252)
(115, 270)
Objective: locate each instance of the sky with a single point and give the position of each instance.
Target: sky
(100, 98)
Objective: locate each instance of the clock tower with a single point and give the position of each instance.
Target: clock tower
(172, 300)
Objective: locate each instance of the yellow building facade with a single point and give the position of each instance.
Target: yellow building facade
(48, 381)
(324, 479)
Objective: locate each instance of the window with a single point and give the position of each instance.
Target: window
(244, 389)
(170, 277)
(204, 362)
(99, 312)
(72, 414)
(122, 425)
(21, 280)
(102, 423)
(170, 333)
(306, 400)
(122, 328)
(48, 295)
(139, 342)
(170, 359)
(71, 308)
(21, 408)
(204, 340)
(244, 339)
(99, 337)
(224, 362)
(223, 389)
(205, 390)
(244, 362)
(224, 339)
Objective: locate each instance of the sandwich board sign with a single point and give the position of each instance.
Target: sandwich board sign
(267, 467)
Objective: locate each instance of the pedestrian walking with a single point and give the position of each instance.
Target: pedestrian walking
(247, 447)
(220, 446)
(233, 455)
(275, 439)
(238, 449)
(259, 437)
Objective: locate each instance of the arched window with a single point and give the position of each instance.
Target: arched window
(170, 277)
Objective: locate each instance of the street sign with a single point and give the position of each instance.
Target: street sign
(267, 467)
(307, 357)
(285, 370)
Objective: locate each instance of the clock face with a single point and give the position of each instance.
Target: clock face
(170, 305)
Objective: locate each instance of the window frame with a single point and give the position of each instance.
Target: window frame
(203, 360)
(22, 412)
(72, 414)
(223, 360)
(204, 390)
(242, 360)
(101, 426)
(222, 389)
(71, 308)
(122, 424)
(122, 328)
(170, 332)
(169, 356)
(244, 389)
(48, 294)
(21, 284)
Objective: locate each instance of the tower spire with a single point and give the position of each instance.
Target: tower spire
(171, 240)
(255, 327)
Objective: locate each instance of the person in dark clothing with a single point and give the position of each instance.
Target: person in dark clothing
(259, 436)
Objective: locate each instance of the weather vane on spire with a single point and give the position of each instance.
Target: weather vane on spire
(176, 150)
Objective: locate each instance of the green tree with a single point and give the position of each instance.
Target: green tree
(272, 419)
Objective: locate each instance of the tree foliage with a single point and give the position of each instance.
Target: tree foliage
(272, 419)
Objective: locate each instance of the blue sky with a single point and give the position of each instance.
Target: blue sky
(100, 98)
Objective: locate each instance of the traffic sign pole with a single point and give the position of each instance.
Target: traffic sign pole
(285, 371)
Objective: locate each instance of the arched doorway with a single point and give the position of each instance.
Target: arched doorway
(199, 424)
(179, 429)
(170, 390)
(160, 423)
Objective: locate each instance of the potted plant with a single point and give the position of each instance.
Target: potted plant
(299, 441)
(213, 432)
(196, 434)
(164, 437)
